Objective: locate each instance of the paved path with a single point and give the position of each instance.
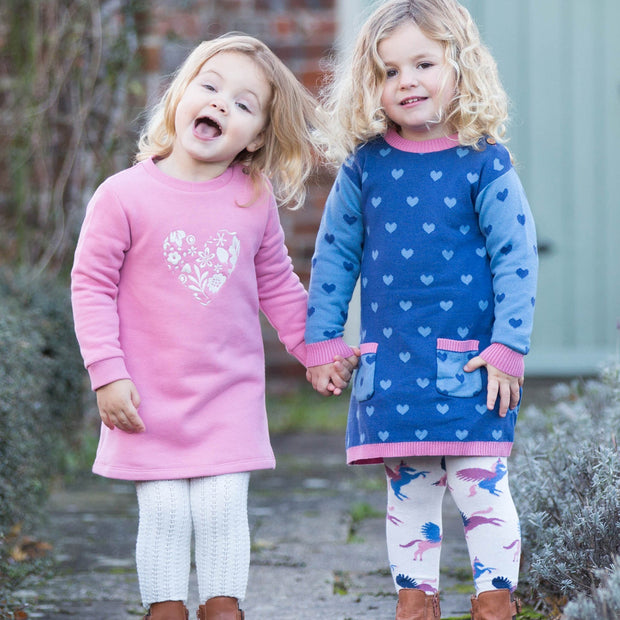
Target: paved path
(310, 559)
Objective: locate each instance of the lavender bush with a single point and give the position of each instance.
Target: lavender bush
(566, 480)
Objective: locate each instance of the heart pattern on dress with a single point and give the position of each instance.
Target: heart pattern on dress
(202, 267)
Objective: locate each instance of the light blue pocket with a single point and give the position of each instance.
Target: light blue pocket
(364, 384)
(452, 380)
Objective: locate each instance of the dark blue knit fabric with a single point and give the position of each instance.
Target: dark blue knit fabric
(444, 244)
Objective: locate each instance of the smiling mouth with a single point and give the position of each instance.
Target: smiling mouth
(206, 127)
(410, 100)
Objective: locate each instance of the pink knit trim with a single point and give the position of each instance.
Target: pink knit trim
(319, 353)
(368, 347)
(106, 371)
(504, 359)
(424, 146)
(376, 452)
(459, 346)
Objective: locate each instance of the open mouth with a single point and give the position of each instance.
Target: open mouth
(206, 127)
(411, 100)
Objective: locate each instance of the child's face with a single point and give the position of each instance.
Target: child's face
(412, 93)
(222, 112)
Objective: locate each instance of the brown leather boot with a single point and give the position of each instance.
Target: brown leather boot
(220, 608)
(414, 604)
(167, 610)
(495, 605)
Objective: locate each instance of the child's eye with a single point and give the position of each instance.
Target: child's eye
(209, 87)
(425, 65)
(390, 73)
(243, 106)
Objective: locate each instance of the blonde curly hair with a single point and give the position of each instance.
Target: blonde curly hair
(352, 94)
(293, 132)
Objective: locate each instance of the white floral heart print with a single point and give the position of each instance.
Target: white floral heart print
(202, 267)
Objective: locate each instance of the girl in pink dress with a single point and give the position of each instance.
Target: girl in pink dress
(176, 257)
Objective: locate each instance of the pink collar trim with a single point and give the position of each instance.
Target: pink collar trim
(424, 146)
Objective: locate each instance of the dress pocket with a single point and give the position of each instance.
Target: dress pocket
(452, 380)
(364, 383)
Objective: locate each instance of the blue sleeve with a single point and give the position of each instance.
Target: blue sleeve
(337, 258)
(507, 223)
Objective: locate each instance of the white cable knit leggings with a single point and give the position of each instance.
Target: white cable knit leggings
(479, 486)
(215, 508)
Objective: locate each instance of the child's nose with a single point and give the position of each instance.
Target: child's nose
(219, 104)
(408, 79)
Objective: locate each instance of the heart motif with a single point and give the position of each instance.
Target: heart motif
(402, 409)
(421, 434)
(383, 435)
(202, 267)
(447, 254)
(461, 434)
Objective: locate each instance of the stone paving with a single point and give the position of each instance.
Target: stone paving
(310, 557)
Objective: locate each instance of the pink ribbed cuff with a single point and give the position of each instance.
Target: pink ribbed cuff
(105, 371)
(504, 359)
(319, 353)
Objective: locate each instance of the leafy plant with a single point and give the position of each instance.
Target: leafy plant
(566, 476)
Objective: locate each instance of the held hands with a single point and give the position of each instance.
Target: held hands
(332, 379)
(118, 402)
(499, 383)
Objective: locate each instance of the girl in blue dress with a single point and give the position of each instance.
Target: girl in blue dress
(429, 213)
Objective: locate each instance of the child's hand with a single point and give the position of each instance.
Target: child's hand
(500, 383)
(118, 402)
(342, 370)
(330, 379)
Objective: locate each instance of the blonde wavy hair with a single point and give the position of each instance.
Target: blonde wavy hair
(293, 143)
(352, 94)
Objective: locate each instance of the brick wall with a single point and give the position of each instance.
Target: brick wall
(301, 33)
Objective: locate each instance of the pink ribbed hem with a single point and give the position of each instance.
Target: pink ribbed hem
(319, 353)
(376, 452)
(199, 470)
(423, 146)
(504, 358)
(105, 371)
(459, 346)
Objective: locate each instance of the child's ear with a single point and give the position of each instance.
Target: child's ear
(256, 143)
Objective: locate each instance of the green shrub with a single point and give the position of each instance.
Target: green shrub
(41, 379)
(602, 604)
(566, 480)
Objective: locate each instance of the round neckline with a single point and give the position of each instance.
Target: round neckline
(187, 186)
(423, 146)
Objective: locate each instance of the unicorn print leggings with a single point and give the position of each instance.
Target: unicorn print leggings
(479, 486)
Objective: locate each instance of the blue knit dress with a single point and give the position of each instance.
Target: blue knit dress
(443, 241)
